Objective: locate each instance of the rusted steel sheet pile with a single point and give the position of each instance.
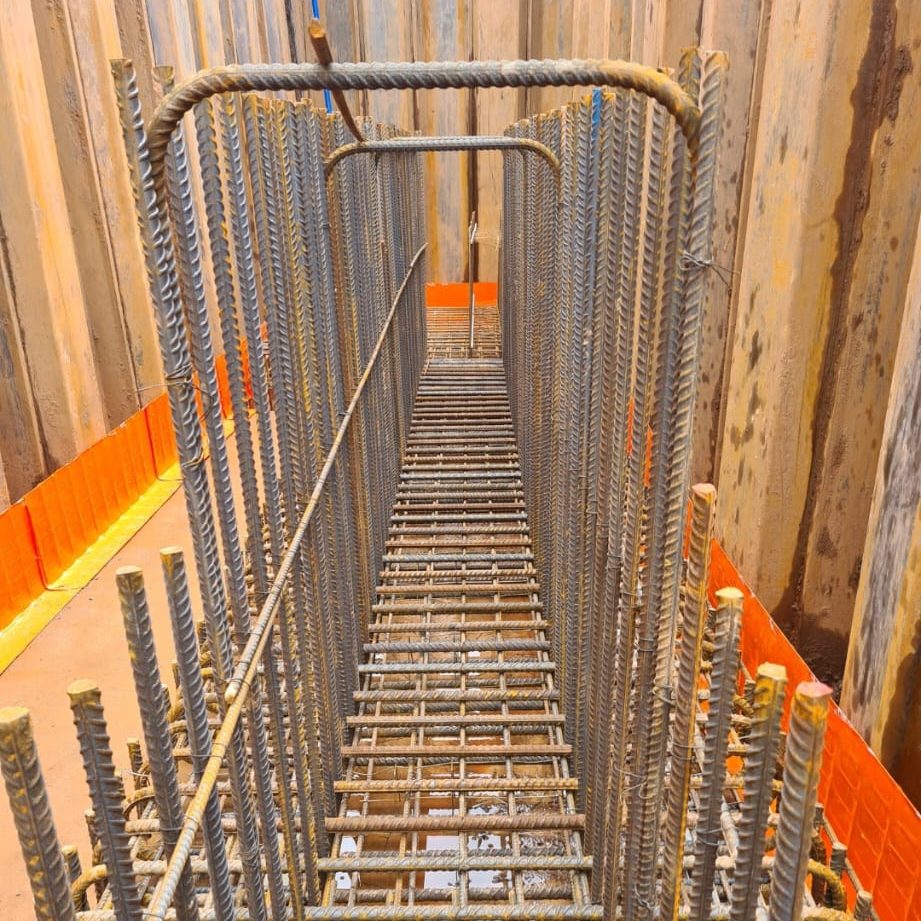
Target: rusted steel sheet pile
(432, 719)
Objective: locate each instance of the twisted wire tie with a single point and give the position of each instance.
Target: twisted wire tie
(690, 261)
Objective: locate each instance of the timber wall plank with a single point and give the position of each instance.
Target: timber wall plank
(387, 35)
(442, 31)
(95, 30)
(499, 30)
(882, 686)
(740, 29)
(73, 145)
(40, 248)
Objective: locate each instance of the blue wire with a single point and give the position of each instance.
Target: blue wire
(327, 95)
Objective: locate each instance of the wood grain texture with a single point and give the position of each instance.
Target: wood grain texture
(740, 29)
(681, 29)
(785, 307)
(387, 35)
(43, 268)
(818, 313)
(882, 683)
(648, 33)
(500, 30)
(442, 30)
(74, 133)
(96, 37)
(176, 44)
(619, 15)
(550, 36)
(343, 28)
(877, 217)
(21, 451)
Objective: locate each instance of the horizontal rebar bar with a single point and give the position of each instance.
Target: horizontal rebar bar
(442, 142)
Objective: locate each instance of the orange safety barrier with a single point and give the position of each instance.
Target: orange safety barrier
(55, 522)
(455, 294)
(865, 806)
(43, 533)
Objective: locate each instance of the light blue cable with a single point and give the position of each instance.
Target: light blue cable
(327, 95)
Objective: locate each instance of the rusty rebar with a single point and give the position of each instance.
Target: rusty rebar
(106, 794)
(25, 786)
(763, 742)
(802, 763)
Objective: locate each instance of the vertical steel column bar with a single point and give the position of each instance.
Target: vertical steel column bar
(693, 619)
(310, 356)
(155, 724)
(598, 475)
(587, 416)
(653, 692)
(299, 700)
(801, 767)
(25, 786)
(340, 504)
(634, 519)
(624, 360)
(294, 635)
(306, 422)
(197, 728)
(161, 268)
(106, 794)
(722, 690)
(190, 282)
(760, 764)
(471, 321)
(212, 185)
(292, 628)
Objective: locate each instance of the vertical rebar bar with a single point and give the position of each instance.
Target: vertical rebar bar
(25, 786)
(155, 724)
(174, 348)
(763, 743)
(802, 764)
(106, 794)
(693, 618)
(206, 133)
(197, 728)
(722, 689)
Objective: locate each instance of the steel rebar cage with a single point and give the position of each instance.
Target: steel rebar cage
(303, 262)
(150, 155)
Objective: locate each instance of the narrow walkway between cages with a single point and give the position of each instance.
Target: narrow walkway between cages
(457, 790)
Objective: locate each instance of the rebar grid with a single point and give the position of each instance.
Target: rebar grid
(468, 691)
(466, 779)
